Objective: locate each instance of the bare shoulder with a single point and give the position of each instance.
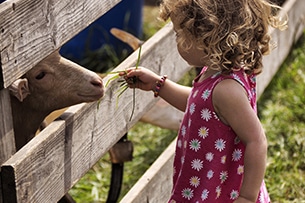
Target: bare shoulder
(230, 98)
(231, 104)
(229, 90)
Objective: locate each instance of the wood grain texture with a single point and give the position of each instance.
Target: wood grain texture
(31, 29)
(7, 140)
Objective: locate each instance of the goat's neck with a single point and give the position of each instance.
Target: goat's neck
(26, 121)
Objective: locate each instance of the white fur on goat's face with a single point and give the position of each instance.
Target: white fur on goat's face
(56, 83)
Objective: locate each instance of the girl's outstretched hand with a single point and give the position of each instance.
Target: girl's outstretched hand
(141, 78)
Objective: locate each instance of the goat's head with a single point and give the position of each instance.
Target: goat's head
(56, 83)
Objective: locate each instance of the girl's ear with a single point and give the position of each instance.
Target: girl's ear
(20, 89)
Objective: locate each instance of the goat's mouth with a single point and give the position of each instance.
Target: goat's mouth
(90, 97)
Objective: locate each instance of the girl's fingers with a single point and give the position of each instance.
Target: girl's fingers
(130, 80)
(126, 71)
(122, 73)
(133, 85)
(132, 72)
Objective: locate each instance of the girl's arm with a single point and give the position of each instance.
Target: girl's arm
(231, 103)
(173, 93)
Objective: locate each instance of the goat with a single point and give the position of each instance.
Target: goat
(54, 83)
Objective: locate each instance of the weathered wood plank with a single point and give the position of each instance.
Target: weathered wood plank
(87, 132)
(7, 140)
(31, 29)
(163, 115)
(146, 189)
(48, 158)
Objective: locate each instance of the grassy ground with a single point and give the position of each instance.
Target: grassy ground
(281, 110)
(148, 143)
(283, 117)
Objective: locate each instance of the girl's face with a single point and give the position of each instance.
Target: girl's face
(194, 56)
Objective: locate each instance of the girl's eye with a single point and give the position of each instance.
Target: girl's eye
(40, 75)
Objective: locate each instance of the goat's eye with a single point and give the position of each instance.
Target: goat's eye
(40, 75)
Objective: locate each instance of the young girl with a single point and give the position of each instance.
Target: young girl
(221, 149)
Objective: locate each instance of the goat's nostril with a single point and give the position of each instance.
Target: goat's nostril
(97, 82)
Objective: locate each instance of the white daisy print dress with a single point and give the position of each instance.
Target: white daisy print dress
(209, 162)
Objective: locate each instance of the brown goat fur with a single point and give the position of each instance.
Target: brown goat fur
(52, 84)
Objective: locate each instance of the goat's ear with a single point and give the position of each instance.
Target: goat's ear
(20, 89)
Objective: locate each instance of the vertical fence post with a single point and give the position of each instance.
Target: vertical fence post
(7, 140)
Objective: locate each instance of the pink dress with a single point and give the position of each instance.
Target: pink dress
(209, 163)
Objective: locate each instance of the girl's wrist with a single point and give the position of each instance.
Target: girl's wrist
(158, 85)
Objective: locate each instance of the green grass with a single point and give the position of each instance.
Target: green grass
(283, 117)
(148, 141)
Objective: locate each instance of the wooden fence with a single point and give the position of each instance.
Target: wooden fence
(51, 163)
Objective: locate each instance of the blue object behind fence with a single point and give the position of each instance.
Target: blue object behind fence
(127, 15)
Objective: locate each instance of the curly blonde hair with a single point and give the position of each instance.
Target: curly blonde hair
(233, 33)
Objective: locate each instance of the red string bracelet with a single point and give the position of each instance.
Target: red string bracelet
(159, 84)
